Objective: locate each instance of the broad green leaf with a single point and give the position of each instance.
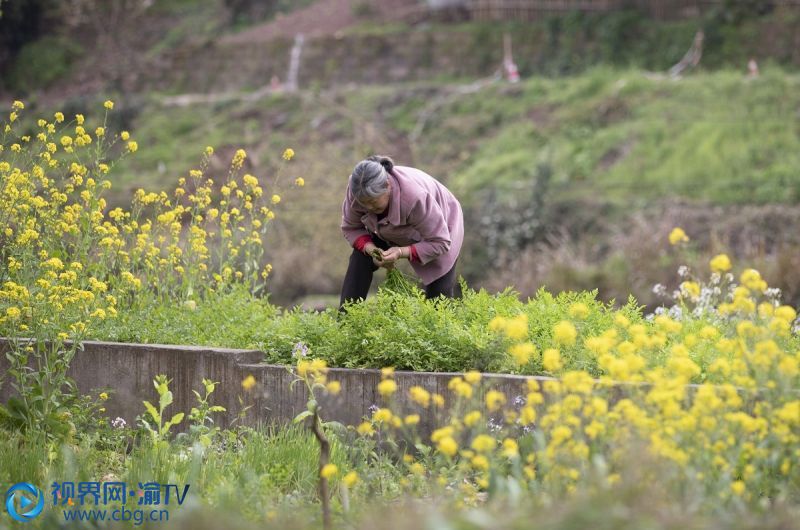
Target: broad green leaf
(165, 399)
(303, 415)
(152, 410)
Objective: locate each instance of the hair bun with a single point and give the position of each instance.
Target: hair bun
(385, 161)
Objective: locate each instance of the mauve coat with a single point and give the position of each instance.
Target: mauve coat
(421, 212)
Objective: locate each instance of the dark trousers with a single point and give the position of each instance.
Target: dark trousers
(358, 278)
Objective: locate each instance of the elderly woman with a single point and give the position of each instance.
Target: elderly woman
(396, 212)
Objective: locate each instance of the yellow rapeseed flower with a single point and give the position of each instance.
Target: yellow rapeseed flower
(383, 415)
(738, 487)
(333, 387)
(709, 332)
(328, 470)
(420, 396)
(551, 360)
(350, 479)
(751, 279)
(691, 288)
(472, 418)
(108, 104)
(497, 323)
(288, 154)
(720, 263)
(250, 181)
(579, 310)
(472, 377)
(516, 328)
(510, 448)
(527, 415)
(786, 313)
(521, 353)
(412, 419)
(564, 333)
(483, 443)
(447, 446)
(494, 400)
(387, 387)
(276, 199)
(677, 235)
(248, 382)
(365, 429)
(578, 382)
(480, 462)
(441, 432)
(300, 182)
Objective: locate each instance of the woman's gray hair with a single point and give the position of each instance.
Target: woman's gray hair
(370, 177)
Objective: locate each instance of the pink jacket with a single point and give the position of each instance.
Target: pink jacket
(421, 212)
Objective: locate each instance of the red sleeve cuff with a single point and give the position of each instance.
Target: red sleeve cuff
(414, 256)
(361, 242)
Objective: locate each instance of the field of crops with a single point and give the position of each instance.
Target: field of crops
(689, 416)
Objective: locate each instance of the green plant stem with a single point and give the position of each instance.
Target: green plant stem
(324, 458)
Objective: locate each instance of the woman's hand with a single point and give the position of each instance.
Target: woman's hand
(377, 256)
(370, 249)
(395, 253)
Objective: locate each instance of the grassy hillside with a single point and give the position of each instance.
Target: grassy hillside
(571, 172)
(617, 136)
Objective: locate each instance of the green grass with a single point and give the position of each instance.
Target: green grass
(42, 62)
(231, 320)
(619, 136)
(255, 470)
(613, 135)
(581, 153)
(399, 328)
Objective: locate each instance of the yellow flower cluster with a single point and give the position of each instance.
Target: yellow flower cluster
(737, 429)
(248, 382)
(677, 235)
(169, 252)
(720, 263)
(69, 262)
(314, 369)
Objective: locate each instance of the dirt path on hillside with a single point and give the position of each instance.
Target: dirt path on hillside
(324, 17)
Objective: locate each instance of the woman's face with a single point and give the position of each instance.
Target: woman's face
(378, 204)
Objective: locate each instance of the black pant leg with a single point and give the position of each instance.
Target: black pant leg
(358, 277)
(442, 286)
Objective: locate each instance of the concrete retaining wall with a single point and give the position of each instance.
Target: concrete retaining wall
(129, 369)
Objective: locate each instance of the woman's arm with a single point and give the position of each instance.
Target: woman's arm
(428, 219)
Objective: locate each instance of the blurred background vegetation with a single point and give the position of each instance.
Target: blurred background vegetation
(570, 179)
